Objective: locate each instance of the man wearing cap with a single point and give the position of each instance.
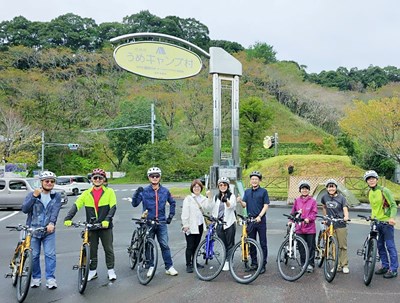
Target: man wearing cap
(256, 201)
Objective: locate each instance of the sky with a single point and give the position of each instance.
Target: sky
(319, 34)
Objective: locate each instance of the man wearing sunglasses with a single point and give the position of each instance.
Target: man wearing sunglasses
(42, 207)
(154, 198)
(100, 205)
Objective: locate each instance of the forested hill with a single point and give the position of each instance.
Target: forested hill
(71, 83)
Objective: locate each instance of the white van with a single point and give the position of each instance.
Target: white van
(13, 191)
(73, 185)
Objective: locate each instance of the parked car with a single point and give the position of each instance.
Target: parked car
(73, 185)
(13, 191)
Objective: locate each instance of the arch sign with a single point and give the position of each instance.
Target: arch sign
(157, 60)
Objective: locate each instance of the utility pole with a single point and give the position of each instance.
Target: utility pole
(153, 118)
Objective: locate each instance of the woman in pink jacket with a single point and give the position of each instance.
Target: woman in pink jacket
(307, 228)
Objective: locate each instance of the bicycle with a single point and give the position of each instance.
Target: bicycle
(210, 255)
(83, 265)
(293, 254)
(143, 249)
(246, 260)
(22, 261)
(327, 248)
(369, 249)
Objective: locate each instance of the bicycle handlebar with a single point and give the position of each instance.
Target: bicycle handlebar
(373, 220)
(88, 225)
(294, 217)
(333, 219)
(145, 220)
(20, 227)
(246, 219)
(215, 220)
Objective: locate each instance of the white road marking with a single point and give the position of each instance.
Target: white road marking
(9, 216)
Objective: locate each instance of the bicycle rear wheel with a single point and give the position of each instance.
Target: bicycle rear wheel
(133, 250)
(148, 259)
(24, 279)
(320, 249)
(83, 270)
(370, 260)
(243, 267)
(289, 261)
(209, 267)
(332, 259)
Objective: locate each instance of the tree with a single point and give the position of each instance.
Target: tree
(254, 119)
(375, 124)
(262, 51)
(230, 47)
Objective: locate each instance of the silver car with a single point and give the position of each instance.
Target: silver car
(13, 191)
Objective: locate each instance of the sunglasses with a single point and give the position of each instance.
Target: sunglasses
(49, 181)
(154, 176)
(98, 178)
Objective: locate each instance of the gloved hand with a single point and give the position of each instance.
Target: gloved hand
(137, 192)
(139, 189)
(68, 223)
(169, 219)
(224, 199)
(105, 224)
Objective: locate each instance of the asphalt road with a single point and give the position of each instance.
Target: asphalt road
(185, 287)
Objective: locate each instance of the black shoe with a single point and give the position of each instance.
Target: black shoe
(199, 265)
(189, 269)
(390, 274)
(381, 271)
(262, 270)
(252, 267)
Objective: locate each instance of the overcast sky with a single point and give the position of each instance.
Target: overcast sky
(320, 34)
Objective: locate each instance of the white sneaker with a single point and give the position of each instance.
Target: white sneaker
(150, 272)
(310, 268)
(92, 275)
(346, 270)
(51, 284)
(171, 271)
(226, 266)
(111, 274)
(35, 282)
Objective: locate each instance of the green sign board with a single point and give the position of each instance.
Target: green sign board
(157, 60)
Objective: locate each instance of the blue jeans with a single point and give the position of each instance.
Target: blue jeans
(161, 231)
(387, 246)
(49, 248)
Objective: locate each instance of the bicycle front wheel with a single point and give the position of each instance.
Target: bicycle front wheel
(24, 278)
(209, 258)
(133, 250)
(289, 260)
(246, 261)
(148, 259)
(332, 259)
(320, 249)
(83, 270)
(370, 260)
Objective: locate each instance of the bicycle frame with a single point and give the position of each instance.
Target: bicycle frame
(373, 234)
(291, 234)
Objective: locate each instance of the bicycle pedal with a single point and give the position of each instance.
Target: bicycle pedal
(75, 267)
(360, 252)
(8, 275)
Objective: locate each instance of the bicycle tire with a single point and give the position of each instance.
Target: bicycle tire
(148, 257)
(14, 269)
(370, 260)
(320, 249)
(84, 267)
(24, 279)
(208, 268)
(244, 269)
(291, 267)
(133, 250)
(332, 259)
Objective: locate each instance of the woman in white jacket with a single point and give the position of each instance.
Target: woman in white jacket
(193, 221)
(223, 206)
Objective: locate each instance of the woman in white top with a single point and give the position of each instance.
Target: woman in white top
(193, 221)
(223, 207)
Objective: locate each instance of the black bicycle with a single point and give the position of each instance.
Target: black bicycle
(369, 249)
(143, 250)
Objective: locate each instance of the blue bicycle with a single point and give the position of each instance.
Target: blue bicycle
(210, 255)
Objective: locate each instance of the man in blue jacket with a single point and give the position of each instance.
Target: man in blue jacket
(154, 198)
(42, 207)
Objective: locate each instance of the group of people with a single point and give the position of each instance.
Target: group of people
(43, 206)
